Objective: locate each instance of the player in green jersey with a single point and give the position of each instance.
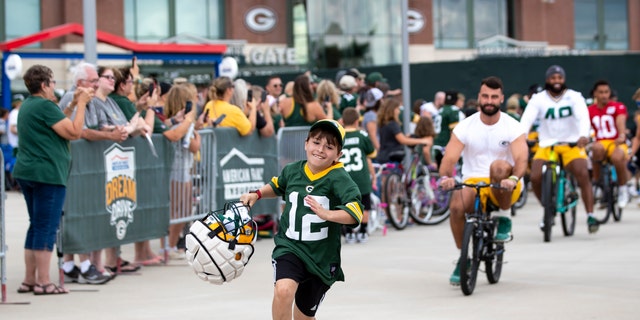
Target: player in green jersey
(320, 197)
(356, 155)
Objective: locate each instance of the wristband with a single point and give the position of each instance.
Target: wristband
(514, 179)
(257, 191)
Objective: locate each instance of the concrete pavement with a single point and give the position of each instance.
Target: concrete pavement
(403, 275)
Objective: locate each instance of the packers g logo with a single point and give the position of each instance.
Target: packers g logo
(308, 189)
(120, 187)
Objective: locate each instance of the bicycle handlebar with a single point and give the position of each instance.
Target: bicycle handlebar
(480, 185)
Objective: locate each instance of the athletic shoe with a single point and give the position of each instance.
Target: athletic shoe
(93, 276)
(454, 280)
(362, 237)
(623, 196)
(177, 255)
(504, 229)
(350, 237)
(592, 224)
(72, 276)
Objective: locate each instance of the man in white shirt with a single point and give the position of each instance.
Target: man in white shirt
(563, 117)
(495, 151)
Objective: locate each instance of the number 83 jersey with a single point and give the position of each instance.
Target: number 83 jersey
(300, 231)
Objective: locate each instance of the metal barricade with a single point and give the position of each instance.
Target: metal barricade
(291, 145)
(193, 187)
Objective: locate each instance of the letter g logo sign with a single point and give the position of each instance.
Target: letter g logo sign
(260, 19)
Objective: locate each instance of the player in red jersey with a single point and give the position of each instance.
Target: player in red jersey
(608, 120)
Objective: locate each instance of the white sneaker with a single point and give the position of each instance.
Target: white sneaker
(623, 196)
(350, 237)
(632, 191)
(362, 237)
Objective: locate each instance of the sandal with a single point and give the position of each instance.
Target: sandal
(125, 266)
(49, 289)
(26, 288)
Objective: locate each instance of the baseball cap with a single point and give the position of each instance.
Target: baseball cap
(372, 96)
(356, 74)
(331, 126)
(373, 77)
(553, 70)
(17, 97)
(347, 82)
(451, 97)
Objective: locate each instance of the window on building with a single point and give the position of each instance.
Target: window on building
(155, 20)
(344, 33)
(601, 25)
(22, 18)
(460, 24)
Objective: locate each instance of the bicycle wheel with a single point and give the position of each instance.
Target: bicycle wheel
(469, 258)
(395, 196)
(616, 211)
(522, 200)
(548, 202)
(423, 203)
(601, 204)
(377, 215)
(493, 257)
(442, 199)
(571, 195)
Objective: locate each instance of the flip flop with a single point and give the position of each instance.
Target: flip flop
(45, 291)
(125, 266)
(26, 288)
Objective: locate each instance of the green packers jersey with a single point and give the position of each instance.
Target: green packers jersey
(301, 232)
(357, 148)
(348, 100)
(448, 117)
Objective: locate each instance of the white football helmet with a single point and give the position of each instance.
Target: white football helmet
(220, 245)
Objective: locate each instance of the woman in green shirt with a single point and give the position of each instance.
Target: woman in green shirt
(42, 169)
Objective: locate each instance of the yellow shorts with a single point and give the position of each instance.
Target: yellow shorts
(610, 147)
(567, 153)
(486, 192)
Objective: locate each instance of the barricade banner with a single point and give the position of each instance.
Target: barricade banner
(245, 164)
(117, 193)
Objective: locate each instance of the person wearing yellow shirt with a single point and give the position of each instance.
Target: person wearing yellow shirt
(220, 93)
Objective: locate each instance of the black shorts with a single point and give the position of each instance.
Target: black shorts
(366, 201)
(311, 289)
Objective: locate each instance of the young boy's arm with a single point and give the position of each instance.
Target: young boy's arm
(337, 216)
(250, 198)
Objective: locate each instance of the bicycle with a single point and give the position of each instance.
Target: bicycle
(426, 200)
(478, 244)
(393, 193)
(559, 192)
(377, 216)
(608, 187)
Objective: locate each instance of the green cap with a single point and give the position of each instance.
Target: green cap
(373, 77)
(331, 126)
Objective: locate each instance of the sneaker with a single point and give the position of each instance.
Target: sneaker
(592, 224)
(362, 237)
(504, 229)
(72, 276)
(454, 279)
(350, 237)
(93, 276)
(177, 255)
(623, 197)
